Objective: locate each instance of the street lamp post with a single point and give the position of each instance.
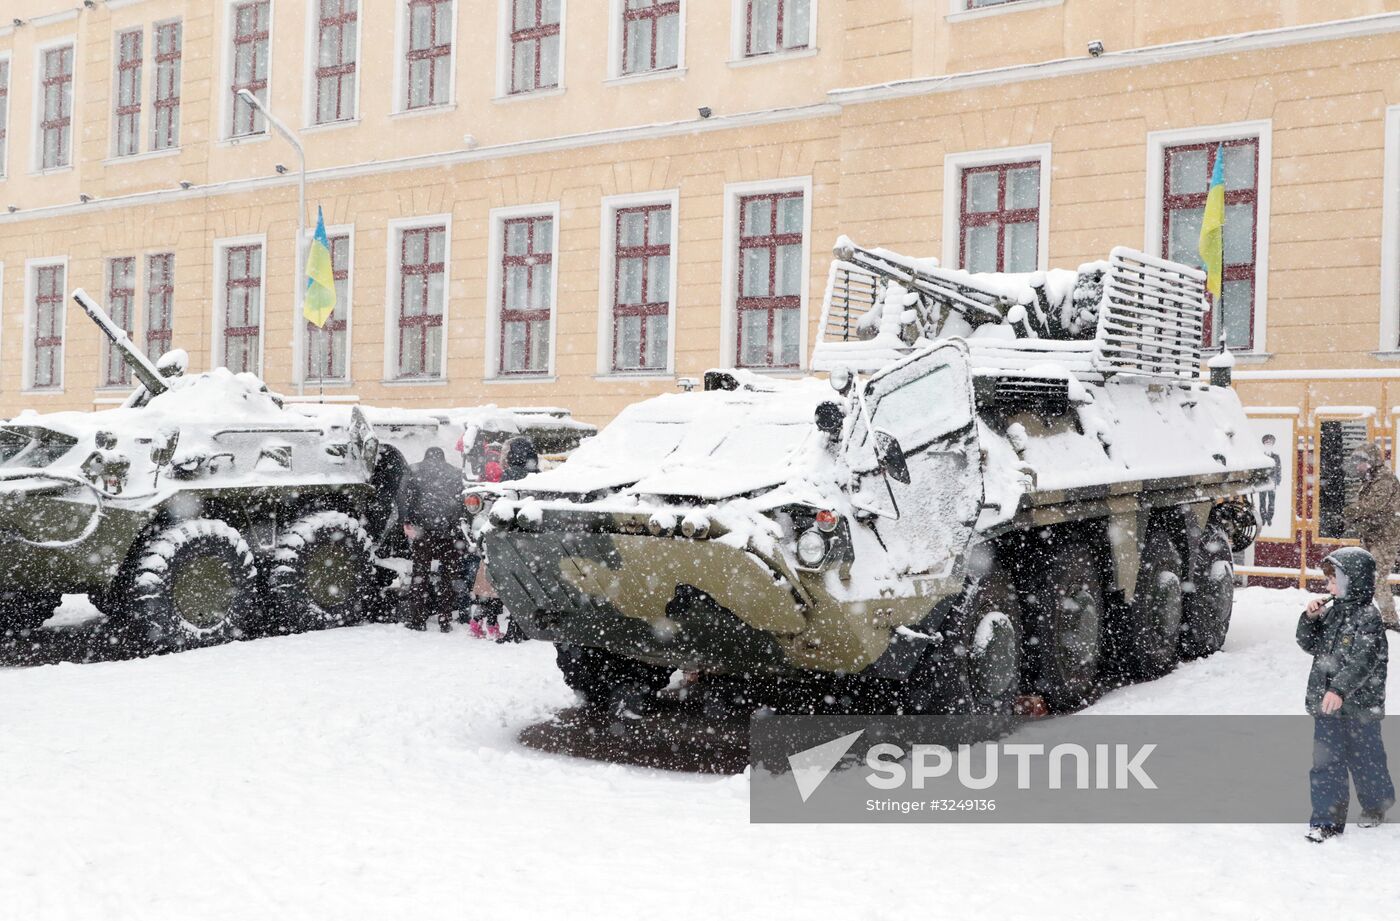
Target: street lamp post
(300, 282)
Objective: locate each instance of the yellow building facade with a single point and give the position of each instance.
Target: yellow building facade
(581, 203)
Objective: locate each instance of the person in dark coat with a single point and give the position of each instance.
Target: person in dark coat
(431, 509)
(1346, 695)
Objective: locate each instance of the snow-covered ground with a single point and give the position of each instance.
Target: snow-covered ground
(375, 773)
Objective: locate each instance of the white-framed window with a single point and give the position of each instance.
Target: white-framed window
(250, 64)
(4, 111)
(419, 269)
(973, 9)
(167, 47)
(120, 303)
(637, 284)
(1179, 167)
(522, 291)
(334, 52)
(1390, 236)
(45, 300)
(159, 333)
(996, 208)
(240, 276)
(54, 105)
(325, 351)
(646, 37)
(130, 48)
(767, 252)
(430, 27)
(764, 28)
(532, 43)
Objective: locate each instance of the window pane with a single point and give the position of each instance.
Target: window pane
(789, 275)
(758, 217)
(1023, 188)
(796, 23)
(755, 266)
(517, 238)
(1020, 247)
(435, 294)
(540, 276)
(980, 248)
(629, 341)
(668, 29)
(1236, 306)
(659, 230)
(544, 236)
(1239, 234)
(411, 350)
(516, 276)
(981, 192)
(657, 341)
(1184, 236)
(432, 362)
(412, 288)
(524, 13)
(523, 67)
(790, 215)
(539, 345)
(638, 44)
(549, 61)
(658, 279)
(514, 358)
(763, 26)
(786, 334)
(629, 281)
(1187, 173)
(633, 228)
(549, 12)
(1239, 167)
(753, 337)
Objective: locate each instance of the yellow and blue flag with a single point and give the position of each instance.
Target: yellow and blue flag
(1212, 246)
(319, 302)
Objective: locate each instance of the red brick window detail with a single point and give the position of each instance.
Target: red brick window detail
(1186, 172)
(337, 29)
(242, 307)
(771, 26)
(429, 53)
(165, 102)
(527, 292)
(651, 35)
(251, 46)
(47, 369)
(56, 125)
(641, 288)
(999, 217)
(160, 303)
(770, 280)
(130, 52)
(980, 4)
(121, 304)
(422, 300)
(534, 45)
(4, 110)
(326, 346)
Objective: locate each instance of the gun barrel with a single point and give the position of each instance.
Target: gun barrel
(141, 366)
(972, 302)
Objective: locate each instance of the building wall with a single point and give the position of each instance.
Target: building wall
(875, 158)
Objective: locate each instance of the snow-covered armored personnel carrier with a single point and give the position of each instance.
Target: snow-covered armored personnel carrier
(1009, 485)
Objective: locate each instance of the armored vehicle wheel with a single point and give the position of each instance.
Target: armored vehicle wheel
(977, 669)
(21, 612)
(1149, 630)
(322, 574)
(194, 583)
(1209, 604)
(609, 682)
(1068, 625)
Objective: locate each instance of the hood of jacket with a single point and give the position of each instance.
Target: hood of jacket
(1370, 452)
(1356, 571)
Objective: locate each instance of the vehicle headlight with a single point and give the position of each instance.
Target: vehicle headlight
(811, 548)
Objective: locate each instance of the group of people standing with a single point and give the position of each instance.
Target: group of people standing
(448, 580)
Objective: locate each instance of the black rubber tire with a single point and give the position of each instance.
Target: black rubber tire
(1211, 600)
(322, 574)
(167, 599)
(1068, 619)
(961, 675)
(609, 682)
(1148, 631)
(22, 612)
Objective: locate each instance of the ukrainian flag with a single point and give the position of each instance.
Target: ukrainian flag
(319, 302)
(1212, 245)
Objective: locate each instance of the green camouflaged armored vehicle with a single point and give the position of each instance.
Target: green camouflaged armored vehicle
(204, 508)
(1009, 486)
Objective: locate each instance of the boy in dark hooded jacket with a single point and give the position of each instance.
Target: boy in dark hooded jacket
(1346, 695)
